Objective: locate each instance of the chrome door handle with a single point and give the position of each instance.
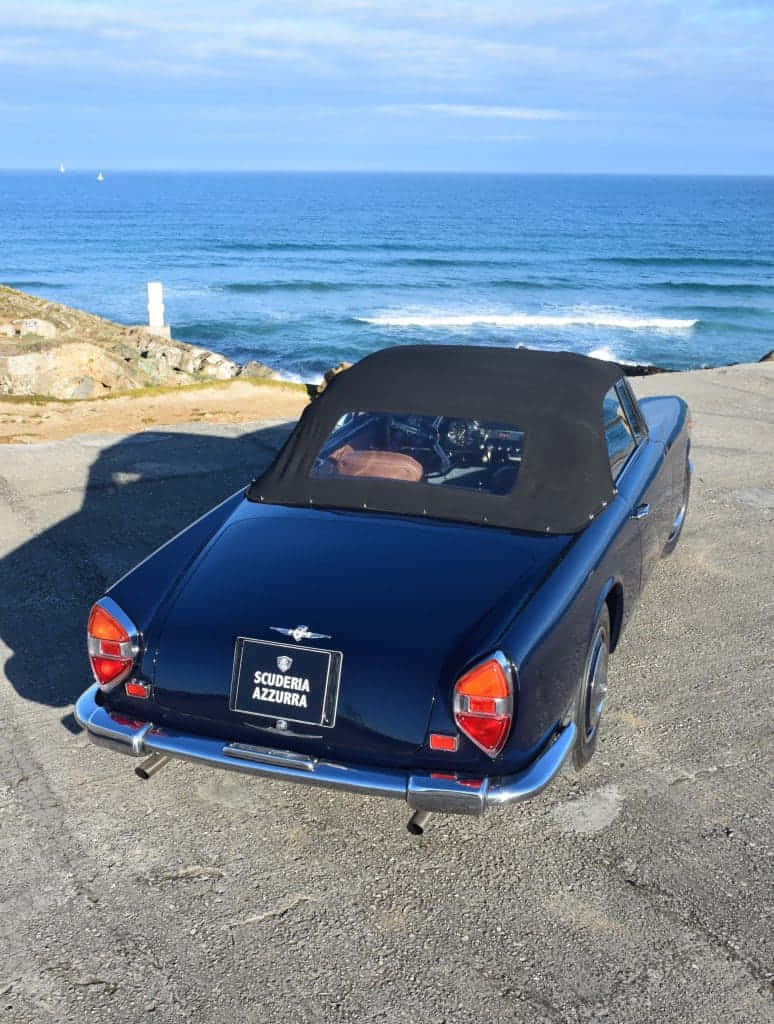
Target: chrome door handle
(641, 511)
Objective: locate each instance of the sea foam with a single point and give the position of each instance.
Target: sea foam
(581, 319)
(606, 353)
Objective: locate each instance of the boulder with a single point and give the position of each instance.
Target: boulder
(74, 370)
(26, 327)
(162, 358)
(256, 369)
(329, 375)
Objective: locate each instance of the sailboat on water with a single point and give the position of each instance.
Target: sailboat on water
(100, 176)
(61, 168)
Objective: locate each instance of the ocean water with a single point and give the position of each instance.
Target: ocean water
(302, 271)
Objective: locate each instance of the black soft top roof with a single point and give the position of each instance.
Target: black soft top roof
(554, 397)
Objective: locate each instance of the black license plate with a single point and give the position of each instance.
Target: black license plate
(298, 684)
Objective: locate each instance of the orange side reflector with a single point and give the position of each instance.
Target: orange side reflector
(440, 742)
(135, 689)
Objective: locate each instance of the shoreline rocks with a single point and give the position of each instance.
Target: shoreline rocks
(53, 350)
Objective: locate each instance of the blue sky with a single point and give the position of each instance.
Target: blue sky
(554, 85)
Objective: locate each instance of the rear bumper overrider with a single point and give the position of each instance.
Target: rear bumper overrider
(423, 791)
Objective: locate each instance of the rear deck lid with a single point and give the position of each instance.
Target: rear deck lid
(343, 625)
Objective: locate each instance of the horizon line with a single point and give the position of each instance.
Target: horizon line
(53, 169)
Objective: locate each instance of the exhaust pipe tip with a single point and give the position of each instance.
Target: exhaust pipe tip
(150, 766)
(417, 821)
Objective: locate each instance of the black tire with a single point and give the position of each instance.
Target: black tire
(674, 537)
(591, 692)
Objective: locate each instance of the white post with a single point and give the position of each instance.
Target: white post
(156, 309)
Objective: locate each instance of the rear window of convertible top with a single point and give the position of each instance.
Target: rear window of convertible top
(443, 451)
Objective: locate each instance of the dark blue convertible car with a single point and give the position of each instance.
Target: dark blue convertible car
(418, 598)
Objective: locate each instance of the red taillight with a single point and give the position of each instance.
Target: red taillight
(107, 670)
(113, 643)
(483, 704)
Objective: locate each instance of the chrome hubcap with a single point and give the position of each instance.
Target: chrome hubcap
(678, 523)
(597, 686)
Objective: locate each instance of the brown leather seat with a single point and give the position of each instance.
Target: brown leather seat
(346, 461)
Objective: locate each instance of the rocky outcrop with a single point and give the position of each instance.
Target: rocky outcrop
(642, 369)
(255, 369)
(317, 389)
(72, 370)
(31, 325)
(50, 349)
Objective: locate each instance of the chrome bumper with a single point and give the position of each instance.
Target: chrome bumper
(422, 791)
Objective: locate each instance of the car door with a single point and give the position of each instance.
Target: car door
(624, 449)
(644, 477)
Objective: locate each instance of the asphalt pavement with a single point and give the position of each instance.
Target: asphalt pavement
(639, 891)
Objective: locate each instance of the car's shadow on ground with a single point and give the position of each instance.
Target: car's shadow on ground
(140, 492)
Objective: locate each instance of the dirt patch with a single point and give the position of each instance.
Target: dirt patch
(590, 813)
(26, 420)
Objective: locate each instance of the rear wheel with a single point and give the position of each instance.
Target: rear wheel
(677, 525)
(591, 694)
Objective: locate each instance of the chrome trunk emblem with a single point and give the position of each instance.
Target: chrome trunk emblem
(284, 662)
(300, 633)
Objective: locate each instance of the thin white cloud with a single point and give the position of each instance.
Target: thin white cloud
(476, 110)
(476, 139)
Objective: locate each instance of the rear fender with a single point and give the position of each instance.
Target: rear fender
(549, 640)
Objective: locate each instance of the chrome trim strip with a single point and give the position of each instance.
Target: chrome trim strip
(265, 755)
(423, 791)
(503, 706)
(630, 405)
(125, 622)
(127, 649)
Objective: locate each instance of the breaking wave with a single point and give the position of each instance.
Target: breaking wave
(621, 321)
(297, 378)
(606, 353)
